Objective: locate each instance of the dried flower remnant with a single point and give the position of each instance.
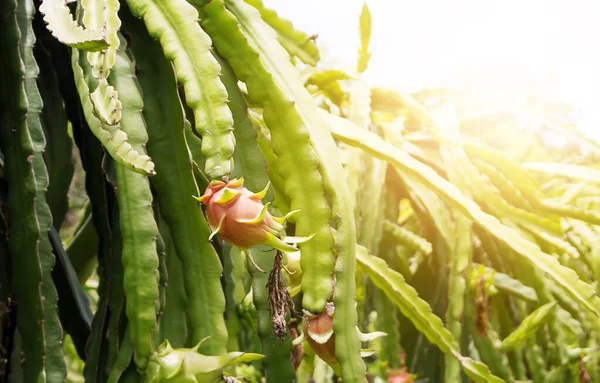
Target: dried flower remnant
(279, 299)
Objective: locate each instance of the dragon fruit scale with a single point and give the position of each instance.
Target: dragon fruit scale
(240, 218)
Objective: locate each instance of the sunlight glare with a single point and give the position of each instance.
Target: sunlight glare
(545, 47)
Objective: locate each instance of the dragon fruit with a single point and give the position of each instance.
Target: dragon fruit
(240, 218)
(318, 330)
(400, 376)
(319, 334)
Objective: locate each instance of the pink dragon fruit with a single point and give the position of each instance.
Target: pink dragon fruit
(400, 376)
(240, 218)
(319, 334)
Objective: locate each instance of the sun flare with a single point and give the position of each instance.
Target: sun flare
(545, 48)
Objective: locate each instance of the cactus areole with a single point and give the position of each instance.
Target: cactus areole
(240, 218)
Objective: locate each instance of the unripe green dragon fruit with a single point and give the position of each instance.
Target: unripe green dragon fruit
(186, 365)
(240, 218)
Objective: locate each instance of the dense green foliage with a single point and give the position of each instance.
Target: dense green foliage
(405, 237)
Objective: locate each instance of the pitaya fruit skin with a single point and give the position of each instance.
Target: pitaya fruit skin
(318, 330)
(401, 377)
(240, 218)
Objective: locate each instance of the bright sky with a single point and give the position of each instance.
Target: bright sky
(431, 42)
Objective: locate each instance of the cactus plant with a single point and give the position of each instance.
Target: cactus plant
(463, 255)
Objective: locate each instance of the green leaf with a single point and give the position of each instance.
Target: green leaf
(83, 248)
(102, 15)
(123, 358)
(101, 198)
(365, 37)
(74, 309)
(528, 327)
(22, 142)
(60, 22)
(575, 172)
(59, 146)
(139, 230)
(175, 24)
(326, 76)
(398, 103)
(251, 164)
(173, 324)
(507, 284)
(460, 264)
(581, 214)
(307, 160)
(552, 240)
(564, 277)
(296, 42)
(106, 103)
(424, 198)
(263, 139)
(524, 181)
(241, 357)
(575, 134)
(536, 362)
(174, 185)
(327, 81)
(408, 238)
(419, 312)
(520, 189)
(113, 138)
